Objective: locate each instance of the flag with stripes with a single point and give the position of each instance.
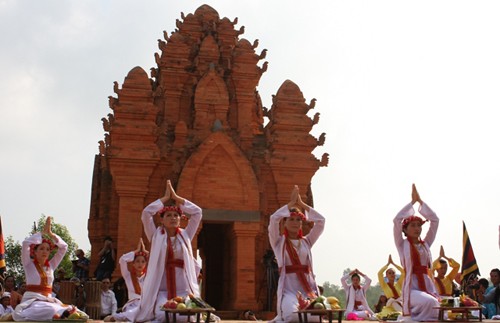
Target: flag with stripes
(470, 270)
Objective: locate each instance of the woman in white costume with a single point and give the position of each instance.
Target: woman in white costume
(134, 279)
(419, 294)
(172, 269)
(356, 294)
(37, 303)
(293, 254)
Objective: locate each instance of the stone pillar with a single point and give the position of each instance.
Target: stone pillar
(131, 180)
(244, 265)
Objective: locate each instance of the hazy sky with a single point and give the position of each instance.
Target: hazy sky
(408, 93)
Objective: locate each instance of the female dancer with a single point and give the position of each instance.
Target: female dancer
(419, 294)
(37, 303)
(172, 269)
(356, 295)
(293, 254)
(134, 279)
(391, 288)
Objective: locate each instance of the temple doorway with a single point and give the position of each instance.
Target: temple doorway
(215, 252)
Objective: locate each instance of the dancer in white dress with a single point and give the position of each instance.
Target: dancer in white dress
(293, 254)
(37, 303)
(172, 269)
(419, 293)
(134, 279)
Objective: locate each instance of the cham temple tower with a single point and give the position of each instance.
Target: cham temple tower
(198, 120)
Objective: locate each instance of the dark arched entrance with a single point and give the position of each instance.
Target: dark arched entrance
(227, 244)
(213, 245)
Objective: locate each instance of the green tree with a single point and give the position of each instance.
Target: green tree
(13, 258)
(373, 294)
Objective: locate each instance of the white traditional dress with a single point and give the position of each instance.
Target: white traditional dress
(356, 298)
(37, 303)
(417, 302)
(292, 274)
(129, 310)
(154, 292)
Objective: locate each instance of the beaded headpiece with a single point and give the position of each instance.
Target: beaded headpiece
(299, 214)
(413, 218)
(46, 240)
(141, 253)
(170, 208)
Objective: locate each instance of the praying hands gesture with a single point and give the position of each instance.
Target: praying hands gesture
(296, 200)
(390, 261)
(441, 253)
(415, 197)
(170, 194)
(47, 229)
(141, 247)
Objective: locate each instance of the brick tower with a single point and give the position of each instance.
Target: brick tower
(198, 120)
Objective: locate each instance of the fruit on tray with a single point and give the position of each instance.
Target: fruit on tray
(170, 304)
(334, 302)
(467, 301)
(199, 302)
(74, 316)
(181, 303)
(319, 306)
(319, 303)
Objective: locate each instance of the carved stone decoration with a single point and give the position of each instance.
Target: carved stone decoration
(199, 121)
(208, 54)
(211, 101)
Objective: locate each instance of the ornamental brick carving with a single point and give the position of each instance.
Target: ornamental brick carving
(198, 120)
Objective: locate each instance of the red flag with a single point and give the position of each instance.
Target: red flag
(3, 267)
(469, 265)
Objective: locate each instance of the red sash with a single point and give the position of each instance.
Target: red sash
(44, 290)
(418, 269)
(293, 269)
(299, 269)
(170, 269)
(357, 304)
(395, 293)
(170, 265)
(41, 272)
(441, 287)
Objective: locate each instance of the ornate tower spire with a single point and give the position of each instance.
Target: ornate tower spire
(199, 121)
(290, 142)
